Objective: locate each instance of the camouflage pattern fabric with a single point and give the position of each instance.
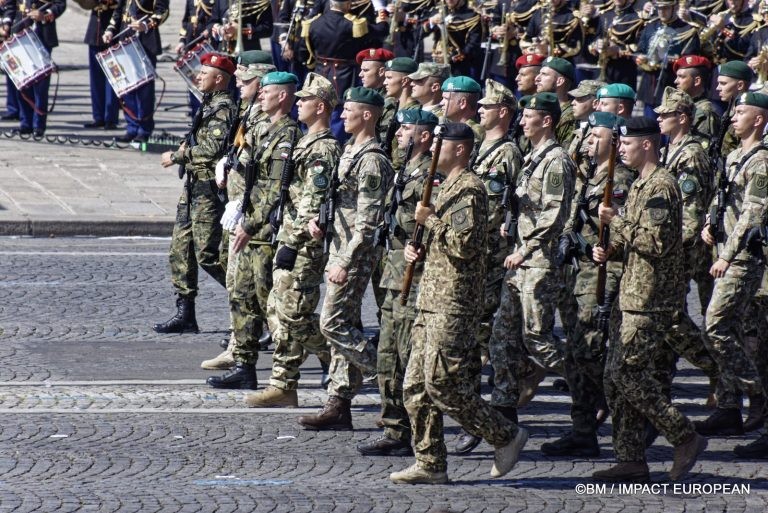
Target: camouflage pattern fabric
(706, 121)
(566, 125)
(248, 300)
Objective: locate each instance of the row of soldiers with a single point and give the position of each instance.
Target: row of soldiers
(521, 208)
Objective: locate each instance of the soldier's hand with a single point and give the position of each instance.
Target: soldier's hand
(719, 268)
(499, 32)
(422, 213)
(707, 237)
(606, 214)
(337, 275)
(513, 261)
(603, 316)
(179, 48)
(229, 31)
(107, 37)
(599, 255)
(35, 15)
(435, 20)
(241, 239)
(166, 159)
(314, 229)
(413, 252)
(221, 173)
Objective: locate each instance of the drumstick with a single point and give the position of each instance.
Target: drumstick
(193, 42)
(128, 28)
(26, 17)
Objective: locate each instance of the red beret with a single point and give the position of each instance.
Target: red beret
(218, 61)
(529, 59)
(691, 61)
(374, 54)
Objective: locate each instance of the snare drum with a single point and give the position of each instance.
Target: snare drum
(188, 66)
(25, 59)
(126, 66)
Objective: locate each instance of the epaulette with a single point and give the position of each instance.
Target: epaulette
(305, 25)
(359, 25)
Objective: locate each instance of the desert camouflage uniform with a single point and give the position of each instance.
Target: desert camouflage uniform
(196, 239)
(438, 379)
(295, 294)
(360, 206)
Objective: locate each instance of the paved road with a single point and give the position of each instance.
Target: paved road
(101, 414)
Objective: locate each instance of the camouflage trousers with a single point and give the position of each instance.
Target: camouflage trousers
(566, 302)
(726, 316)
(754, 332)
(248, 300)
(351, 352)
(633, 390)
(196, 240)
(392, 359)
(698, 259)
(294, 325)
(438, 380)
(379, 293)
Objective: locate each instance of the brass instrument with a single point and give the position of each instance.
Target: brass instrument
(444, 32)
(762, 68)
(390, 39)
(504, 42)
(239, 39)
(547, 25)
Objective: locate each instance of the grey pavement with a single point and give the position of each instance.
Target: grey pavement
(99, 413)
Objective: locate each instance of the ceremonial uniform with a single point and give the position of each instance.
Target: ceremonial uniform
(567, 36)
(518, 14)
(105, 106)
(621, 27)
(587, 66)
(408, 40)
(256, 22)
(731, 42)
(464, 33)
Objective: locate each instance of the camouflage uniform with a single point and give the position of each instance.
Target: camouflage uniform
(565, 130)
(295, 294)
(706, 122)
(438, 378)
(360, 204)
(478, 130)
(746, 208)
(526, 316)
(196, 239)
(648, 237)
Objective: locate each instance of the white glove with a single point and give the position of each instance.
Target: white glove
(232, 215)
(221, 177)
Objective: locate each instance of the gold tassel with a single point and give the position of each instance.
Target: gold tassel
(305, 28)
(359, 25)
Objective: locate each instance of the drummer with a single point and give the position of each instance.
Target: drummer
(105, 106)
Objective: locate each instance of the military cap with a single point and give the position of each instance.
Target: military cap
(431, 69)
(662, 3)
(496, 93)
(460, 84)
(374, 54)
(318, 85)
(457, 132)
(605, 119)
(546, 102)
(218, 61)
(691, 61)
(416, 117)
(621, 91)
(675, 101)
(254, 57)
(560, 65)
(402, 65)
(364, 95)
(586, 88)
(279, 78)
(529, 59)
(639, 127)
(753, 99)
(736, 69)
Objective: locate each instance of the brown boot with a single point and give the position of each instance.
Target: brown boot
(686, 455)
(630, 471)
(529, 384)
(335, 416)
(273, 397)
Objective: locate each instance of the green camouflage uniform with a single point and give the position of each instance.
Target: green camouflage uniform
(360, 202)
(196, 239)
(438, 379)
(565, 130)
(648, 236)
(706, 122)
(295, 294)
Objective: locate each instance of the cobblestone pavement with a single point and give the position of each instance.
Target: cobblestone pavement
(101, 414)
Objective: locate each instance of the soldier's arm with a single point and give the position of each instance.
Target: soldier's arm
(57, 7)
(160, 14)
(696, 189)
(462, 237)
(211, 146)
(658, 229)
(753, 210)
(117, 17)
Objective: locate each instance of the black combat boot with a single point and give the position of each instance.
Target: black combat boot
(265, 340)
(757, 449)
(466, 443)
(335, 416)
(385, 446)
(755, 414)
(243, 375)
(723, 422)
(184, 321)
(510, 412)
(582, 446)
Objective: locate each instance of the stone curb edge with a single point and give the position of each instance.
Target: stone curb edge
(86, 227)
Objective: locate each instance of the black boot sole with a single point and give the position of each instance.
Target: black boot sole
(402, 451)
(159, 329)
(467, 448)
(577, 453)
(332, 427)
(719, 432)
(233, 386)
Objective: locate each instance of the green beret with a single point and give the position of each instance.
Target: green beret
(416, 117)
(753, 99)
(639, 127)
(560, 65)
(402, 65)
(254, 57)
(546, 102)
(460, 84)
(457, 132)
(364, 95)
(605, 119)
(279, 78)
(622, 91)
(736, 69)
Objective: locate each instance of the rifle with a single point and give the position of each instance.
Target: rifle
(717, 162)
(297, 14)
(487, 55)
(508, 200)
(327, 214)
(236, 133)
(604, 233)
(418, 232)
(381, 236)
(666, 153)
(286, 176)
(389, 135)
(190, 142)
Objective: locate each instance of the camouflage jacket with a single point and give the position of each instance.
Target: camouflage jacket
(236, 178)
(746, 203)
(478, 130)
(455, 270)
(210, 138)
(648, 236)
(577, 149)
(566, 126)
(706, 122)
(544, 194)
(360, 200)
(271, 143)
(689, 164)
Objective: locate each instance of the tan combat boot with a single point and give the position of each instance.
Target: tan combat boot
(505, 457)
(686, 455)
(335, 416)
(415, 474)
(529, 384)
(273, 397)
(224, 361)
(629, 471)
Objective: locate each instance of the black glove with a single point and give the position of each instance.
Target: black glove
(603, 317)
(564, 248)
(286, 258)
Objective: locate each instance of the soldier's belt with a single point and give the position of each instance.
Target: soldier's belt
(336, 63)
(204, 187)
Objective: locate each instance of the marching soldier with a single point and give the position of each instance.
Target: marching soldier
(246, 22)
(105, 105)
(426, 84)
(616, 43)
(459, 104)
(554, 31)
(692, 75)
(398, 96)
(299, 260)
(197, 232)
(556, 76)
(460, 45)
(583, 103)
(733, 80)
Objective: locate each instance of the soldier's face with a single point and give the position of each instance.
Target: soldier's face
(608, 105)
(453, 153)
(393, 83)
(308, 108)
(727, 88)
(667, 122)
(532, 123)
(745, 119)
(353, 116)
(734, 5)
(620, 3)
(269, 98)
(599, 141)
(371, 74)
(249, 89)
(450, 104)
(582, 107)
(404, 134)
(526, 79)
(489, 115)
(546, 80)
(206, 79)
(685, 80)
(666, 12)
(631, 151)
(451, 4)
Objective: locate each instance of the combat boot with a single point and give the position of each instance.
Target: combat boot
(385, 446)
(529, 384)
(630, 471)
(415, 474)
(505, 457)
(273, 397)
(265, 340)
(224, 361)
(756, 413)
(583, 446)
(183, 322)
(243, 375)
(757, 449)
(686, 455)
(723, 422)
(335, 416)
(509, 412)
(466, 443)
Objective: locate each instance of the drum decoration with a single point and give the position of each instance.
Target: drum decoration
(126, 66)
(25, 60)
(188, 66)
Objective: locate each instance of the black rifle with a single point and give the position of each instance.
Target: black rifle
(236, 129)
(389, 135)
(717, 163)
(327, 214)
(190, 142)
(383, 232)
(508, 199)
(286, 176)
(487, 56)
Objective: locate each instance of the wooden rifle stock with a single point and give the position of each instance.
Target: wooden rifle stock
(604, 234)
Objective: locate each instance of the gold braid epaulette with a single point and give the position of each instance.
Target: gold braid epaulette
(200, 4)
(615, 33)
(469, 23)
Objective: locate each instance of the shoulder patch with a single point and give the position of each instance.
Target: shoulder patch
(658, 209)
(688, 186)
(555, 183)
(759, 187)
(320, 181)
(372, 182)
(461, 218)
(317, 167)
(495, 186)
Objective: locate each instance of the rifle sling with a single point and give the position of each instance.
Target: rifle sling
(533, 164)
(751, 153)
